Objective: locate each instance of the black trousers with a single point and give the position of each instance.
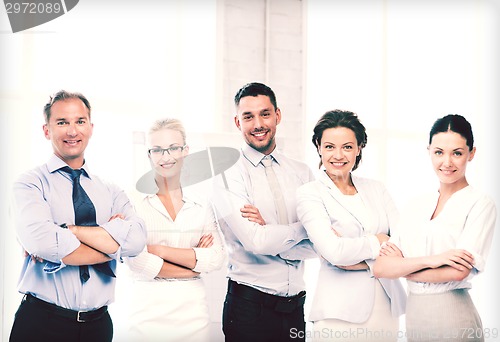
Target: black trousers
(250, 315)
(33, 322)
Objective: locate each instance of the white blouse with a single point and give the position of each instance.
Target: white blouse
(357, 207)
(466, 222)
(195, 219)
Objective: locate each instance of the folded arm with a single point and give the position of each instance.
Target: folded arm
(301, 251)
(185, 257)
(362, 265)
(441, 274)
(170, 270)
(96, 244)
(171, 262)
(95, 237)
(333, 248)
(148, 266)
(85, 255)
(451, 265)
(269, 239)
(125, 227)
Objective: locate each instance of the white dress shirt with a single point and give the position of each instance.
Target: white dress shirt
(195, 218)
(321, 206)
(267, 257)
(466, 222)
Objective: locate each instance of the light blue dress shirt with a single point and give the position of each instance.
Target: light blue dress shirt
(42, 200)
(270, 257)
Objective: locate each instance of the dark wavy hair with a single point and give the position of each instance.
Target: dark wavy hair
(341, 118)
(455, 123)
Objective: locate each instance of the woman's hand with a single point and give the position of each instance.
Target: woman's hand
(251, 213)
(459, 259)
(206, 241)
(360, 266)
(390, 249)
(382, 238)
(335, 232)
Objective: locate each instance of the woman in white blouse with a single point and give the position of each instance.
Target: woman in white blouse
(168, 300)
(348, 218)
(443, 241)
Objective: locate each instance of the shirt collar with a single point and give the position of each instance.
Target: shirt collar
(255, 157)
(188, 197)
(55, 163)
(326, 180)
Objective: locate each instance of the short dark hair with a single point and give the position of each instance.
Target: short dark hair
(341, 118)
(454, 123)
(63, 95)
(255, 89)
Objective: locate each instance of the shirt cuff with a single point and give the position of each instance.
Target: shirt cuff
(202, 259)
(479, 262)
(146, 266)
(374, 246)
(370, 264)
(67, 243)
(117, 255)
(300, 232)
(117, 230)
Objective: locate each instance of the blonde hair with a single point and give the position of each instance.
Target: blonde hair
(169, 123)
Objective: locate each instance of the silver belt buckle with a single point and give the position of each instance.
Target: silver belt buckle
(78, 317)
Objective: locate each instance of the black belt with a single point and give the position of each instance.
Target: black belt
(277, 303)
(79, 316)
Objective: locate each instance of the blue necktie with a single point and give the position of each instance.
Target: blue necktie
(85, 216)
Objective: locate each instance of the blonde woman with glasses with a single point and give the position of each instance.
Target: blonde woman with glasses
(183, 240)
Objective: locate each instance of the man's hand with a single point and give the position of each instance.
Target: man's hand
(252, 214)
(33, 257)
(115, 216)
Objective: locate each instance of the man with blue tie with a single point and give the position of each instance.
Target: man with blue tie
(255, 203)
(74, 227)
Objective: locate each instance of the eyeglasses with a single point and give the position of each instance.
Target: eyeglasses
(172, 151)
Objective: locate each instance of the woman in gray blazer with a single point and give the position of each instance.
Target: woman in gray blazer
(348, 218)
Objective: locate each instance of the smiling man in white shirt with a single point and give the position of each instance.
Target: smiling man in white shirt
(266, 242)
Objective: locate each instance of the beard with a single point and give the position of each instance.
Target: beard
(262, 146)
